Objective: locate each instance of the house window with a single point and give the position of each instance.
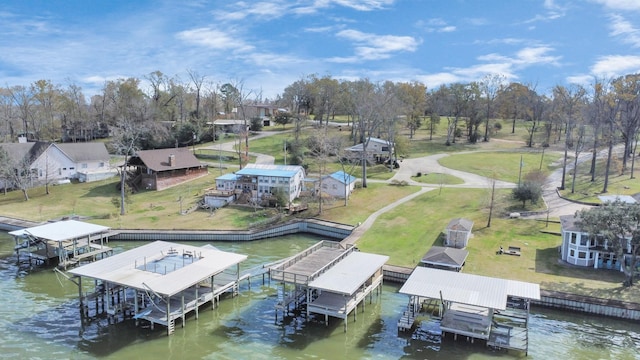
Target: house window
(334, 186)
(59, 171)
(582, 255)
(84, 166)
(591, 255)
(101, 164)
(572, 253)
(584, 241)
(573, 238)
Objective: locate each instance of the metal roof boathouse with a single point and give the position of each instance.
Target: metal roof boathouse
(329, 280)
(477, 307)
(160, 282)
(69, 242)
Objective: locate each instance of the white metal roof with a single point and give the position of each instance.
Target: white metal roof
(350, 273)
(467, 288)
(62, 230)
(125, 268)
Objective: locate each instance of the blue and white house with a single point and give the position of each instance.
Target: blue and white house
(338, 184)
(261, 180)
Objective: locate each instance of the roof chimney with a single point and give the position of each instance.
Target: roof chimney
(172, 160)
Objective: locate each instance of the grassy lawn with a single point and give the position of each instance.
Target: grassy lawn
(407, 232)
(404, 233)
(363, 202)
(503, 166)
(588, 191)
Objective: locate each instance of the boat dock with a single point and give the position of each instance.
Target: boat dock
(472, 306)
(160, 282)
(68, 243)
(329, 280)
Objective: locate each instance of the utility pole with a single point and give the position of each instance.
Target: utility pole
(520, 172)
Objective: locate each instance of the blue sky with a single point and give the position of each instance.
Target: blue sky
(269, 44)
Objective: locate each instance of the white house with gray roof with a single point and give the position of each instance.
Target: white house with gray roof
(51, 163)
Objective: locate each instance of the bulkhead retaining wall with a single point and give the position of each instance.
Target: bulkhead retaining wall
(312, 226)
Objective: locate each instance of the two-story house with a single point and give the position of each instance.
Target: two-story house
(260, 181)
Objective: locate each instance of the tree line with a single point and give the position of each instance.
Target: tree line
(159, 111)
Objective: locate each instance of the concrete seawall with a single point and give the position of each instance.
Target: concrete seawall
(336, 231)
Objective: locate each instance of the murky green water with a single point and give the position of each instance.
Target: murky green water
(39, 319)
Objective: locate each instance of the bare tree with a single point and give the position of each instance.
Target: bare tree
(570, 98)
(23, 100)
(490, 86)
(197, 80)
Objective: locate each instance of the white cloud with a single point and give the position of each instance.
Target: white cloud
(616, 65)
(262, 9)
(362, 5)
(624, 29)
(213, 39)
(435, 25)
(535, 55)
(553, 12)
(582, 79)
(374, 47)
(435, 80)
(633, 5)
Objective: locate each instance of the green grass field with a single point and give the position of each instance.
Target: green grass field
(404, 233)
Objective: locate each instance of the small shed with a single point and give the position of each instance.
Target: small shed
(445, 258)
(458, 232)
(338, 184)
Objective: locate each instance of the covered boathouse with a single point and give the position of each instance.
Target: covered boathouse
(476, 307)
(160, 282)
(328, 280)
(69, 242)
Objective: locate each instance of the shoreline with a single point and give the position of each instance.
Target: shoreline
(339, 232)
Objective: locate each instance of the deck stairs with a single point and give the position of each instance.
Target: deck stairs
(408, 318)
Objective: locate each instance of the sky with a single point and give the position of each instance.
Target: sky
(267, 45)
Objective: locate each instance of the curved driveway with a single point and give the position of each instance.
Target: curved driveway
(430, 164)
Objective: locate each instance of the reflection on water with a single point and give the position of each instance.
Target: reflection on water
(39, 318)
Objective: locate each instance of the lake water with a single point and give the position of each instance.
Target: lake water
(40, 319)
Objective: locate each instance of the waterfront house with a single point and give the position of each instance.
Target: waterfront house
(458, 232)
(378, 150)
(580, 249)
(338, 184)
(163, 168)
(50, 163)
(85, 162)
(259, 182)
